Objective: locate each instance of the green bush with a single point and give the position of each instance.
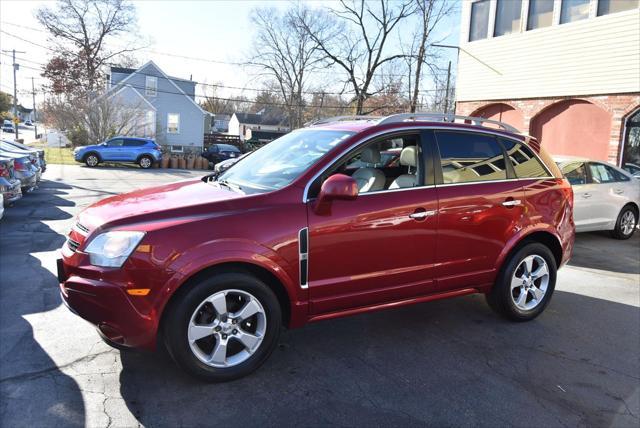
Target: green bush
(78, 136)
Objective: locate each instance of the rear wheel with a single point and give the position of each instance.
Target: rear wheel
(525, 284)
(626, 223)
(145, 162)
(223, 328)
(91, 160)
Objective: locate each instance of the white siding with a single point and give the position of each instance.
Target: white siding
(599, 55)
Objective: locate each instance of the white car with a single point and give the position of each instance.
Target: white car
(605, 197)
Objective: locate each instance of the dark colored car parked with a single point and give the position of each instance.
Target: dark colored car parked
(299, 232)
(220, 152)
(143, 151)
(9, 184)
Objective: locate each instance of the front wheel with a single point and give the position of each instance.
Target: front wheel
(625, 224)
(525, 284)
(91, 160)
(224, 327)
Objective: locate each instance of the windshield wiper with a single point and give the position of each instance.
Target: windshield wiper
(231, 186)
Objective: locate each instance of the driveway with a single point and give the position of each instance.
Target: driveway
(441, 363)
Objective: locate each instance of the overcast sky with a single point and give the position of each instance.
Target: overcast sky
(210, 32)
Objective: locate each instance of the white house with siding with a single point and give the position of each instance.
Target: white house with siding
(564, 71)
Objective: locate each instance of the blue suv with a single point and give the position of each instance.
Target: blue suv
(143, 151)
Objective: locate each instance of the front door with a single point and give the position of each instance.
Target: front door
(113, 150)
(379, 247)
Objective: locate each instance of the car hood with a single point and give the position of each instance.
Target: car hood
(180, 199)
(94, 146)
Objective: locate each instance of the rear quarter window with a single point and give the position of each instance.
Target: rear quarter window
(525, 163)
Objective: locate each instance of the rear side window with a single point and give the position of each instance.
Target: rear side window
(466, 157)
(603, 174)
(575, 172)
(134, 143)
(525, 163)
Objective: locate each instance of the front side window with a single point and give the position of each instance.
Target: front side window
(575, 172)
(173, 123)
(116, 142)
(574, 10)
(525, 163)
(467, 158)
(151, 86)
(606, 7)
(479, 25)
(278, 163)
(507, 17)
(540, 14)
(601, 173)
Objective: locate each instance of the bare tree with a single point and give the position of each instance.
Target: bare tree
(80, 31)
(430, 13)
(96, 119)
(287, 53)
(213, 101)
(355, 38)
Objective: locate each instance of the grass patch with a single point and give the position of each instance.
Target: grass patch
(59, 155)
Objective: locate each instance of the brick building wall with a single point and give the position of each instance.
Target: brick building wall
(618, 106)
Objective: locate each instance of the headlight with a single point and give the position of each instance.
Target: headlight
(111, 249)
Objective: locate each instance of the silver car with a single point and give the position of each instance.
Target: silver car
(9, 184)
(605, 197)
(24, 170)
(7, 148)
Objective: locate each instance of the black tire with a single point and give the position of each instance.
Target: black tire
(501, 298)
(178, 317)
(621, 223)
(91, 160)
(145, 162)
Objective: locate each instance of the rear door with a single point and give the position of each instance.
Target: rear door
(480, 207)
(584, 209)
(378, 248)
(608, 194)
(132, 149)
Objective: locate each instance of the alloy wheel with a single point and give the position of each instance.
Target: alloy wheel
(92, 160)
(529, 282)
(227, 328)
(627, 223)
(145, 162)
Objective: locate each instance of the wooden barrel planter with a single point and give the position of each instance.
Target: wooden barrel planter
(173, 162)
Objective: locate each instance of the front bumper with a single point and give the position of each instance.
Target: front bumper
(107, 306)
(11, 190)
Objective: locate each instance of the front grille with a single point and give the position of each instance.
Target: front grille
(82, 228)
(73, 245)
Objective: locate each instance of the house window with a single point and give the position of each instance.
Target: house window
(151, 86)
(574, 10)
(173, 123)
(479, 26)
(507, 17)
(540, 14)
(606, 7)
(177, 149)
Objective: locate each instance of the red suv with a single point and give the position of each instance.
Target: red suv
(316, 225)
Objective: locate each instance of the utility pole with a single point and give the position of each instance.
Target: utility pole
(33, 92)
(15, 90)
(446, 95)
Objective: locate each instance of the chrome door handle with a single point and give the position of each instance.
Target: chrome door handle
(512, 203)
(421, 214)
(618, 191)
(586, 195)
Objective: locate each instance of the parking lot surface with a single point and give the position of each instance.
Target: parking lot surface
(444, 363)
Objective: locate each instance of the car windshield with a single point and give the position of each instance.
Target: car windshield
(281, 161)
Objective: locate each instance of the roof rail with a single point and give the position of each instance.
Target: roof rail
(342, 118)
(445, 117)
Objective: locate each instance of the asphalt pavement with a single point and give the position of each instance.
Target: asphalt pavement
(444, 363)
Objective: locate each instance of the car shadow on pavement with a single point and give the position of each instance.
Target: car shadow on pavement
(598, 250)
(34, 391)
(441, 363)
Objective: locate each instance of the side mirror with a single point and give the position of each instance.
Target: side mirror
(337, 187)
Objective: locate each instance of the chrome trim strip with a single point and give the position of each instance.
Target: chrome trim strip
(305, 199)
(303, 257)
